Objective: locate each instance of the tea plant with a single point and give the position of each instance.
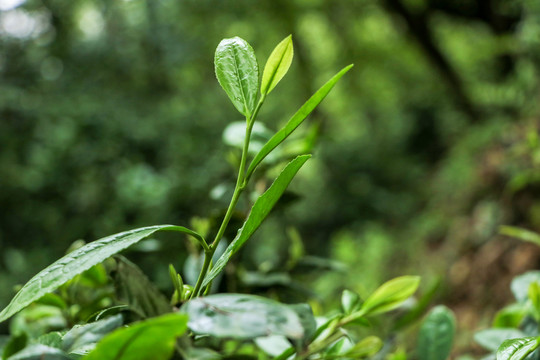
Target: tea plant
(204, 326)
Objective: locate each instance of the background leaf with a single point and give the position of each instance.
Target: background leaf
(491, 339)
(77, 262)
(520, 285)
(437, 334)
(390, 295)
(137, 291)
(277, 65)
(242, 316)
(295, 120)
(259, 212)
(151, 339)
(238, 73)
(519, 233)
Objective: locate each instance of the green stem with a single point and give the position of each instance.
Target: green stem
(319, 346)
(238, 189)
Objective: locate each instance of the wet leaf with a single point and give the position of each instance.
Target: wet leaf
(238, 73)
(517, 349)
(241, 316)
(82, 338)
(77, 262)
(40, 352)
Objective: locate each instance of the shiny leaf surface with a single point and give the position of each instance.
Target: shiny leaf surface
(242, 316)
(77, 262)
(238, 73)
(517, 349)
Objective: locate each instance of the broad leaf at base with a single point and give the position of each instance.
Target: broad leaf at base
(78, 261)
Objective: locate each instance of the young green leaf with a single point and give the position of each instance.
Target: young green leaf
(277, 65)
(368, 346)
(534, 296)
(152, 339)
(510, 316)
(517, 349)
(295, 121)
(390, 295)
(78, 261)
(350, 301)
(436, 334)
(519, 233)
(240, 316)
(238, 73)
(259, 212)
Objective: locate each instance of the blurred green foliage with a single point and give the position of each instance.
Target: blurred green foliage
(109, 110)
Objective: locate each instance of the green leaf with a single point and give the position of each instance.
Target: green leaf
(235, 132)
(52, 299)
(436, 334)
(152, 339)
(259, 212)
(82, 338)
(305, 314)
(15, 344)
(238, 73)
(390, 295)
(520, 285)
(368, 346)
(519, 233)
(241, 316)
(40, 352)
(419, 309)
(350, 301)
(273, 345)
(295, 121)
(52, 339)
(339, 347)
(78, 261)
(534, 296)
(517, 349)
(510, 316)
(137, 291)
(277, 65)
(491, 339)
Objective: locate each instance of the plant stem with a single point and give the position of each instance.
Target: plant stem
(238, 189)
(319, 346)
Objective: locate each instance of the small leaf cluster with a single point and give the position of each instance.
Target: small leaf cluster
(515, 331)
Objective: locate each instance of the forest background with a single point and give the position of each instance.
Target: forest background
(110, 117)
